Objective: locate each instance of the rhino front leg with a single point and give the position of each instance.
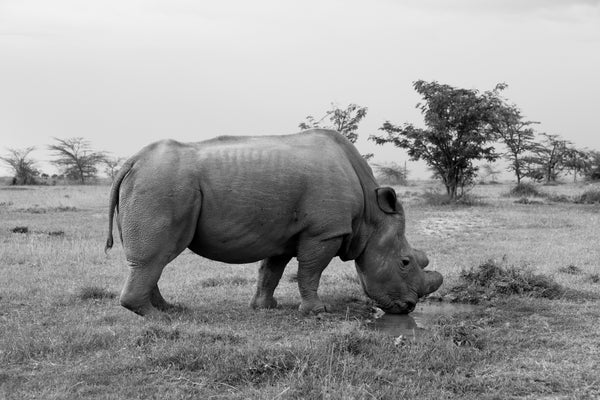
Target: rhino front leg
(269, 274)
(313, 257)
(157, 300)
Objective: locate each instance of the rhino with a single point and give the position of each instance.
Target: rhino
(245, 199)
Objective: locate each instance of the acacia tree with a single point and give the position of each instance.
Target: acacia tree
(391, 174)
(75, 157)
(345, 121)
(490, 172)
(22, 164)
(112, 166)
(577, 161)
(460, 129)
(592, 170)
(547, 158)
(518, 138)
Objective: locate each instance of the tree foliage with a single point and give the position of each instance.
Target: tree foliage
(460, 128)
(577, 161)
(592, 171)
(345, 121)
(391, 174)
(22, 164)
(547, 158)
(112, 166)
(76, 159)
(518, 137)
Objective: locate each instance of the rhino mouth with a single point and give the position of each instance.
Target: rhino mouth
(399, 307)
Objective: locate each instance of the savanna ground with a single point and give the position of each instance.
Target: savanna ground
(63, 334)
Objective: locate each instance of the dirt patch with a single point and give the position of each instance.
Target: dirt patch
(452, 224)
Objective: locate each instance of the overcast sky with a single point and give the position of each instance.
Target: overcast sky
(124, 73)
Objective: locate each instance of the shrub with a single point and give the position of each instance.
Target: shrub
(594, 278)
(490, 280)
(525, 189)
(570, 269)
(525, 200)
(20, 229)
(589, 197)
(434, 197)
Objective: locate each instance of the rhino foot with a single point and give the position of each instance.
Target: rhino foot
(313, 308)
(263, 302)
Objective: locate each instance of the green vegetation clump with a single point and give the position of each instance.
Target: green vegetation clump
(20, 229)
(436, 198)
(95, 293)
(590, 196)
(225, 281)
(490, 280)
(594, 278)
(570, 270)
(525, 189)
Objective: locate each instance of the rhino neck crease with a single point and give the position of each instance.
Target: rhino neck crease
(355, 243)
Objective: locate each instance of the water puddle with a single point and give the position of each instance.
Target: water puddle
(421, 319)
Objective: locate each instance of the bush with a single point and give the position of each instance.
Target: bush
(525, 189)
(590, 196)
(20, 229)
(434, 197)
(570, 270)
(490, 280)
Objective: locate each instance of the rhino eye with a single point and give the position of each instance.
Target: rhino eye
(405, 261)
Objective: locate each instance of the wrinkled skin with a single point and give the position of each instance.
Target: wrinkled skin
(245, 199)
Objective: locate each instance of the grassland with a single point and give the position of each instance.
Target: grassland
(64, 336)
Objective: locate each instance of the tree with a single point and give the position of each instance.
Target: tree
(592, 171)
(491, 172)
(547, 158)
(76, 158)
(22, 164)
(518, 138)
(460, 129)
(391, 174)
(112, 166)
(577, 161)
(345, 121)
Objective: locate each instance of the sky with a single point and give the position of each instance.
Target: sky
(125, 73)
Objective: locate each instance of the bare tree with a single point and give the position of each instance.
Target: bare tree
(112, 165)
(22, 165)
(76, 158)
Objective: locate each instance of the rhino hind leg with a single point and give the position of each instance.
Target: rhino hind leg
(269, 274)
(313, 256)
(140, 291)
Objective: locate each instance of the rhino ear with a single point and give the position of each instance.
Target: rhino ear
(387, 201)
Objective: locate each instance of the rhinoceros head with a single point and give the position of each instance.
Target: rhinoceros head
(390, 270)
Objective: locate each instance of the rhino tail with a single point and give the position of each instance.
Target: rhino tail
(114, 200)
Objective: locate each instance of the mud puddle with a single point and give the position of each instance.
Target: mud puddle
(421, 319)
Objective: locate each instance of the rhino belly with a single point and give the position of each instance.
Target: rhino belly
(240, 242)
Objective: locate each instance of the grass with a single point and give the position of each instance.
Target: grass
(63, 334)
(491, 280)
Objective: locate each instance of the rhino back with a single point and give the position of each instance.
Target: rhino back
(261, 194)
